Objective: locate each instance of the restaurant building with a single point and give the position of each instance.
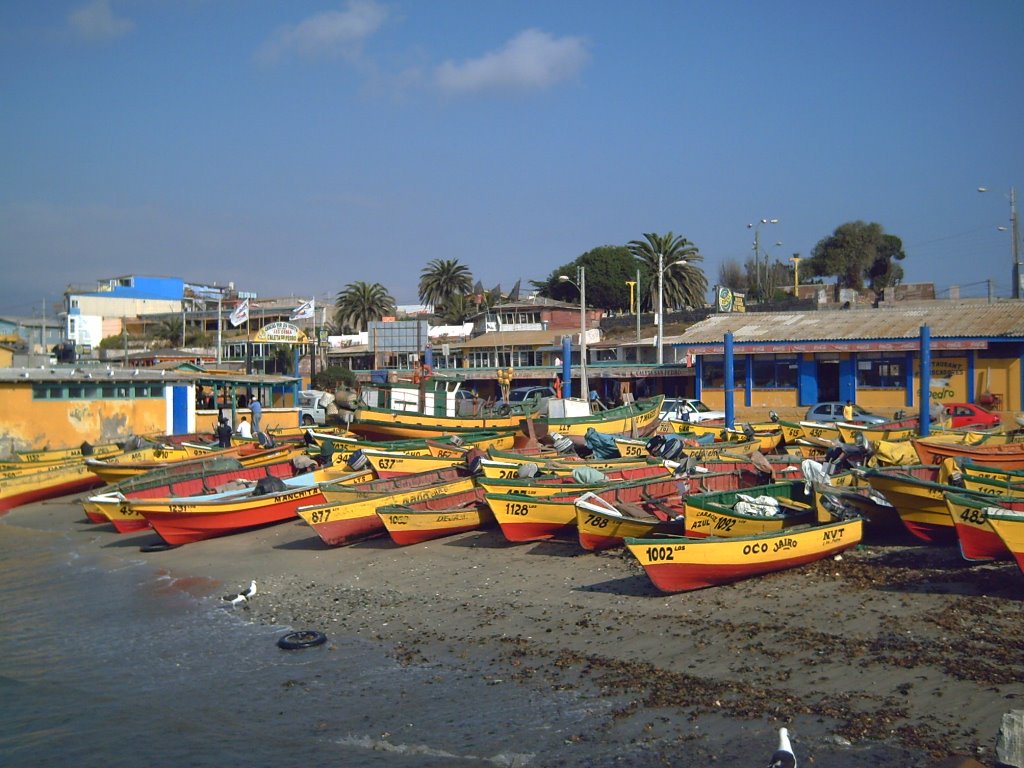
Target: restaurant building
(870, 356)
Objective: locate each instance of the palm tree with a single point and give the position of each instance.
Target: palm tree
(360, 302)
(456, 310)
(685, 285)
(443, 278)
(169, 330)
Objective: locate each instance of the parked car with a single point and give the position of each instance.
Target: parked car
(521, 395)
(689, 411)
(970, 415)
(833, 411)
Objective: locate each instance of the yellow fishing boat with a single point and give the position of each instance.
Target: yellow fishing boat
(680, 564)
(349, 514)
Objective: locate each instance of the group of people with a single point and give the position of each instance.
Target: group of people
(245, 430)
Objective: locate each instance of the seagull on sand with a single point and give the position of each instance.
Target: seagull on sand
(241, 597)
(783, 757)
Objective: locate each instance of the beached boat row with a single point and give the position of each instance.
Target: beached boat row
(694, 510)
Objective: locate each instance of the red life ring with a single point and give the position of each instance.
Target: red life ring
(557, 386)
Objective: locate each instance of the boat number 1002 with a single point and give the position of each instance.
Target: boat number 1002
(660, 554)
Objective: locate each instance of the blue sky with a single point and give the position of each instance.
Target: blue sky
(296, 147)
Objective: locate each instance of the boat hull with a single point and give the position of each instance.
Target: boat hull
(350, 515)
(978, 539)
(46, 484)
(445, 515)
(918, 495)
(186, 522)
(680, 565)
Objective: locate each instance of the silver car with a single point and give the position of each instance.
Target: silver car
(833, 411)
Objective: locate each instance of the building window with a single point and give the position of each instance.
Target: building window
(880, 371)
(713, 372)
(774, 372)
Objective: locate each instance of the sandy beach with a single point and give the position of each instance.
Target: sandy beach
(892, 654)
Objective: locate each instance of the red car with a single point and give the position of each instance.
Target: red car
(970, 415)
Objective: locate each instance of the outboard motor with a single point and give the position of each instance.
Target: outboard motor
(563, 444)
(86, 448)
(475, 461)
(655, 444)
(671, 449)
(357, 460)
(773, 416)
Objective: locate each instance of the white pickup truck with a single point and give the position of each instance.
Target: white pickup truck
(317, 407)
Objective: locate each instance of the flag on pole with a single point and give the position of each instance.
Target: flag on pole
(305, 310)
(241, 314)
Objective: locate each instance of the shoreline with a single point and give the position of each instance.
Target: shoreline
(891, 653)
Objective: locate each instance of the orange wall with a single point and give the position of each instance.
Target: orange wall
(29, 424)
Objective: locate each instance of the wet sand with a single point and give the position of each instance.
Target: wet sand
(892, 654)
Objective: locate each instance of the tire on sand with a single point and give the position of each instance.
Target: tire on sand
(306, 638)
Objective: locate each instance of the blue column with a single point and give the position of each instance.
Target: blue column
(428, 355)
(971, 370)
(730, 411)
(924, 428)
(567, 366)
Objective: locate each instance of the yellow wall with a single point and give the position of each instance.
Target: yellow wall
(881, 401)
(759, 398)
(29, 424)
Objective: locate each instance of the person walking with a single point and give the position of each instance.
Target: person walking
(257, 411)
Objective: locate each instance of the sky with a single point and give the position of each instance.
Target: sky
(295, 147)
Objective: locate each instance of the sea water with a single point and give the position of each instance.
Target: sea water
(105, 662)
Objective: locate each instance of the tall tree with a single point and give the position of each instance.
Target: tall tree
(359, 303)
(732, 275)
(457, 309)
(857, 252)
(684, 285)
(607, 270)
(443, 278)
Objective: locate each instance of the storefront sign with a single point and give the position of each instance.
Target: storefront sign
(281, 333)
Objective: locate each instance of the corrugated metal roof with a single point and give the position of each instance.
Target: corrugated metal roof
(514, 339)
(974, 321)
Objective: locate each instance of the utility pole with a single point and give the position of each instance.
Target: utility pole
(1015, 247)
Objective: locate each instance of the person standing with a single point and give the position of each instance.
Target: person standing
(848, 411)
(257, 411)
(224, 434)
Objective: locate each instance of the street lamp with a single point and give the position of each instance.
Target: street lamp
(635, 307)
(757, 249)
(661, 301)
(795, 258)
(581, 286)
(1015, 241)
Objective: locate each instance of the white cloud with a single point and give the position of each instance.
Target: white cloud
(531, 60)
(96, 21)
(333, 33)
